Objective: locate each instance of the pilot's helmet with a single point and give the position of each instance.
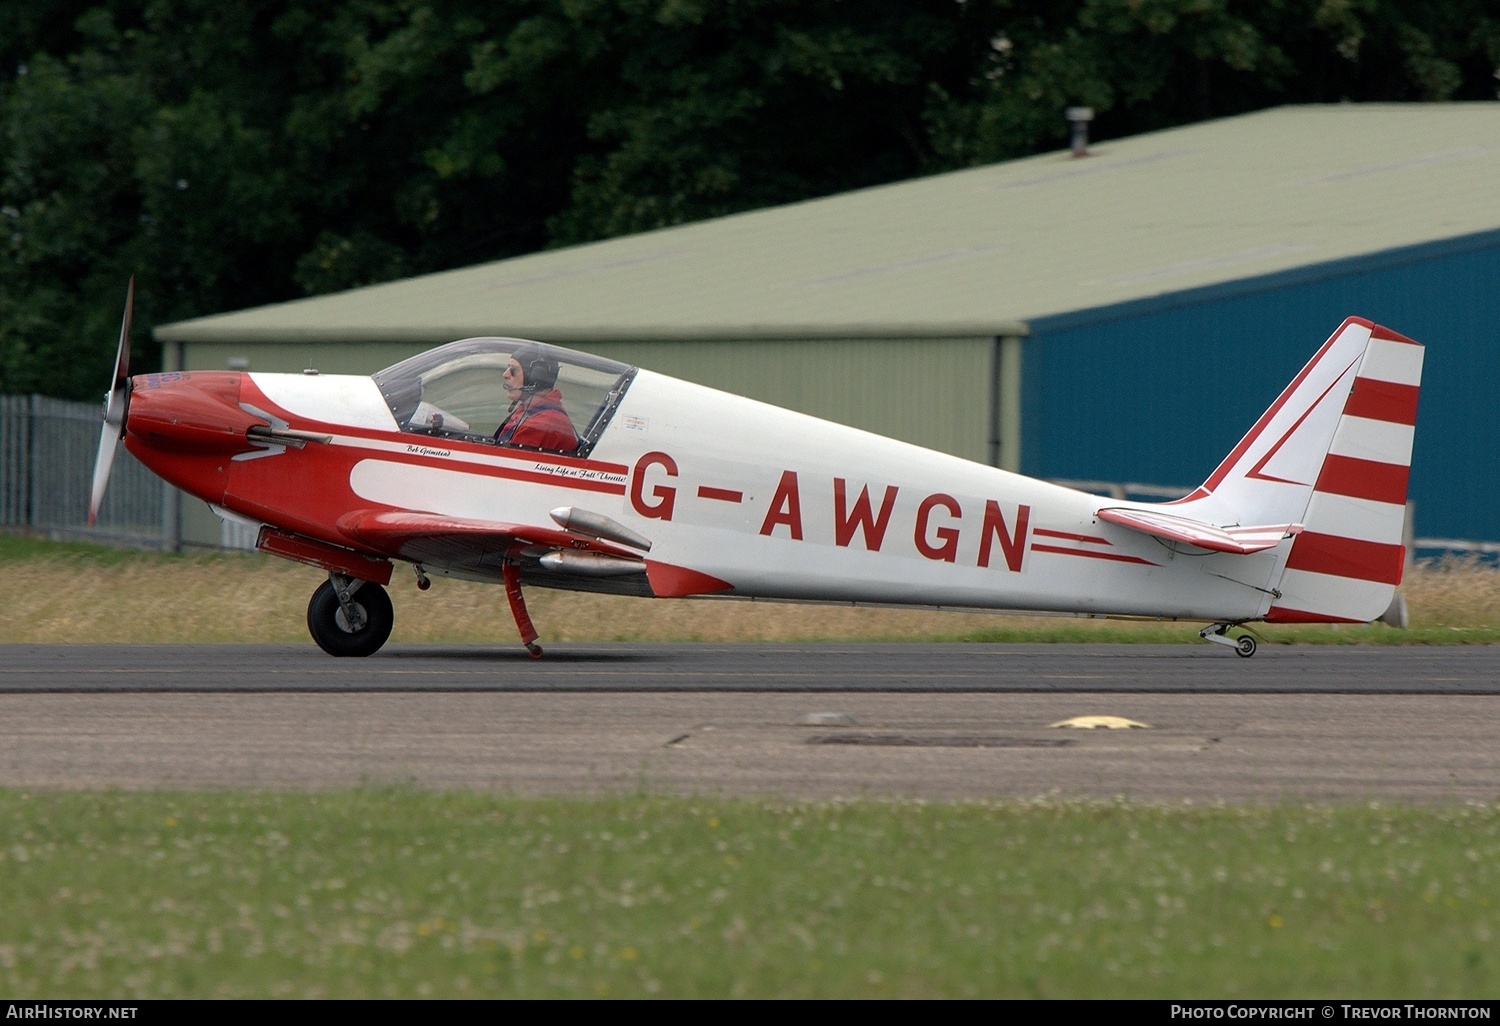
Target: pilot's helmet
(538, 366)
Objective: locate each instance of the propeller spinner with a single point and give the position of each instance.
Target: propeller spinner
(115, 406)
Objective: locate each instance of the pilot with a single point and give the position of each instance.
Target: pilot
(537, 418)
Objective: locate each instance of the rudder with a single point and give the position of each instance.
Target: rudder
(1346, 563)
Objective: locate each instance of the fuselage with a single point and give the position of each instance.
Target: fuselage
(770, 503)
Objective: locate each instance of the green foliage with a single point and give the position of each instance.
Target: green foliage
(392, 892)
(702, 113)
(234, 153)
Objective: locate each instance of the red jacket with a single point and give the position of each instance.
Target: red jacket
(539, 421)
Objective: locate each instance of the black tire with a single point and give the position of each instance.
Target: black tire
(1245, 646)
(326, 624)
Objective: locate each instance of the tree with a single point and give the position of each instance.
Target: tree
(231, 153)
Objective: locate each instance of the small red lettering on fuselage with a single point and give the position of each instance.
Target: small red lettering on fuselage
(786, 507)
(845, 520)
(946, 548)
(665, 496)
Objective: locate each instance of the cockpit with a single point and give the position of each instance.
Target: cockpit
(478, 390)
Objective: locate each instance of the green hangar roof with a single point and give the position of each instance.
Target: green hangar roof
(976, 252)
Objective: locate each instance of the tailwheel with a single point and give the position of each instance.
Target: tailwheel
(349, 617)
(1244, 646)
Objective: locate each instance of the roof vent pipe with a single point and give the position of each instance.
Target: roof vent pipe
(1078, 121)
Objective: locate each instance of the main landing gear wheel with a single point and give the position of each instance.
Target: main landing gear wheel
(362, 630)
(1245, 646)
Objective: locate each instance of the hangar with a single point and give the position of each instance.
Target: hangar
(1120, 317)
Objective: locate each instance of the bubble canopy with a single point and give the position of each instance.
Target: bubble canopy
(459, 391)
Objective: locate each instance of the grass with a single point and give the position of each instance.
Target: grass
(393, 893)
(69, 592)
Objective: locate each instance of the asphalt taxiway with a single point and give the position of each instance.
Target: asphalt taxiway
(1295, 723)
(760, 668)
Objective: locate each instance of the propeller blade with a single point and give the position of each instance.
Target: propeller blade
(115, 406)
(107, 441)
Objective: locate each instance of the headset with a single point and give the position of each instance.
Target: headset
(539, 369)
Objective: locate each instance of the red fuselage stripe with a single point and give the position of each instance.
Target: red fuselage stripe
(1382, 400)
(1363, 479)
(417, 440)
(1043, 532)
(1057, 550)
(1281, 614)
(1347, 557)
(488, 470)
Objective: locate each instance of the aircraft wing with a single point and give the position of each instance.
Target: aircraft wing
(485, 546)
(1235, 539)
(433, 537)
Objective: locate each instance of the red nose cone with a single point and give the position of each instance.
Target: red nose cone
(193, 412)
(186, 427)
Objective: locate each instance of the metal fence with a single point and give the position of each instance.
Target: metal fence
(15, 461)
(47, 453)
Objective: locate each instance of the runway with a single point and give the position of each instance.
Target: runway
(759, 668)
(1295, 723)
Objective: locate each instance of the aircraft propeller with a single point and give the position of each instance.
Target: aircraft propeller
(115, 406)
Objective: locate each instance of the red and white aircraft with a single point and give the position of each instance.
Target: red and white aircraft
(501, 460)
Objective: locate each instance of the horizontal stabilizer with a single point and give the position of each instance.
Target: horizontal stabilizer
(1239, 540)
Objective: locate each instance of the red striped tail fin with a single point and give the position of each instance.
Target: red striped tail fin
(1346, 563)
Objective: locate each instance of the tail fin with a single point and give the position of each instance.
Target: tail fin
(1333, 453)
(1346, 563)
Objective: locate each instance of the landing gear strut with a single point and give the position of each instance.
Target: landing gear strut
(1244, 646)
(349, 617)
(512, 574)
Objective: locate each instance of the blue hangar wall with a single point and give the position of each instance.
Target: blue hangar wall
(1158, 391)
